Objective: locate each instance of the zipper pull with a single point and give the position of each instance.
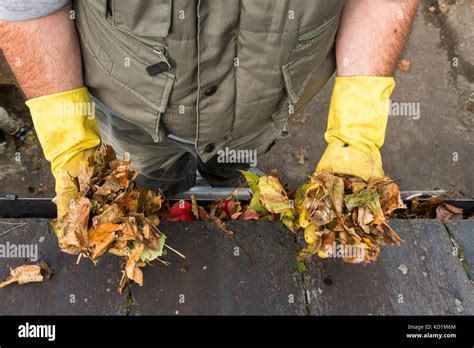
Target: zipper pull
(162, 55)
(158, 68)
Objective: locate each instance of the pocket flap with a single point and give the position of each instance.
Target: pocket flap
(150, 18)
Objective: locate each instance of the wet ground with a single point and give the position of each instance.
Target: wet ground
(432, 149)
(24, 170)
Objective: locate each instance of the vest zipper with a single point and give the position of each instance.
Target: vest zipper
(161, 51)
(315, 34)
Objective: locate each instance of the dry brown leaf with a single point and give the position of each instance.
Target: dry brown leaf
(27, 274)
(72, 231)
(389, 194)
(302, 158)
(222, 226)
(404, 65)
(195, 207)
(335, 188)
(112, 214)
(101, 237)
(445, 212)
(203, 215)
(132, 270)
(84, 179)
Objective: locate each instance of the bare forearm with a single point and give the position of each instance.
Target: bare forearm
(43, 53)
(371, 36)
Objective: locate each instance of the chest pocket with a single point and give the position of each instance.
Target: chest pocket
(305, 60)
(147, 18)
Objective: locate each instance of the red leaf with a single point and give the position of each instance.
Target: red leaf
(225, 206)
(185, 217)
(181, 208)
(249, 215)
(181, 211)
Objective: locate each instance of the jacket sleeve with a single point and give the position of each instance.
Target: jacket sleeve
(14, 10)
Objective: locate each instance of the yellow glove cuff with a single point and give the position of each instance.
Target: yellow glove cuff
(65, 124)
(357, 122)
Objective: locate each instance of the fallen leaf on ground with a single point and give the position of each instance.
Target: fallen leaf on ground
(301, 158)
(445, 212)
(404, 65)
(27, 274)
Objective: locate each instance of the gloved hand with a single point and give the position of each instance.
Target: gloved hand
(68, 136)
(356, 126)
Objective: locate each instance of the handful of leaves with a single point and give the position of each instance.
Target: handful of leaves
(341, 216)
(346, 217)
(111, 215)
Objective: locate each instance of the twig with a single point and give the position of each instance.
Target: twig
(79, 258)
(175, 251)
(11, 223)
(19, 224)
(166, 263)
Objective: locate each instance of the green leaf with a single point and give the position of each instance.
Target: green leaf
(149, 254)
(252, 179)
(272, 195)
(268, 217)
(301, 266)
(361, 198)
(256, 205)
(288, 219)
(300, 193)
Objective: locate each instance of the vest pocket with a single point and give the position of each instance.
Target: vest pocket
(149, 18)
(115, 70)
(308, 38)
(311, 64)
(310, 52)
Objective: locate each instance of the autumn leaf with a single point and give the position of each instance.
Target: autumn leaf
(101, 237)
(252, 180)
(181, 211)
(445, 212)
(132, 270)
(301, 193)
(272, 195)
(404, 65)
(27, 274)
(84, 179)
(222, 226)
(389, 194)
(194, 207)
(149, 255)
(249, 214)
(335, 188)
(72, 231)
(360, 198)
(112, 214)
(255, 205)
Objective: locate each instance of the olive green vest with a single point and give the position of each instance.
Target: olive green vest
(209, 70)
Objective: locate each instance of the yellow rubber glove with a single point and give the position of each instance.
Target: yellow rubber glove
(356, 126)
(68, 134)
